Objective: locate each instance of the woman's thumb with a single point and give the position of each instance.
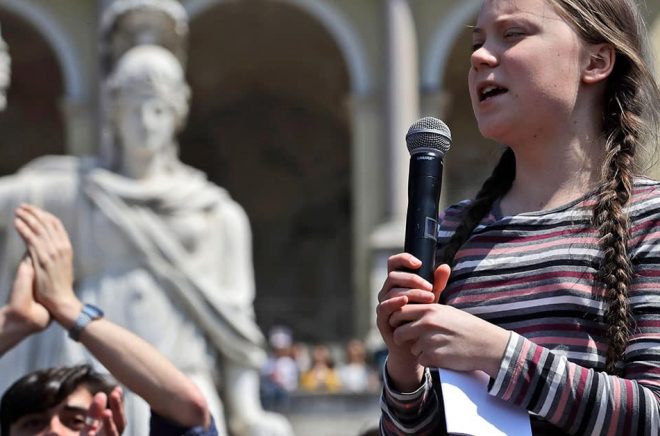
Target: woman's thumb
(440, 277)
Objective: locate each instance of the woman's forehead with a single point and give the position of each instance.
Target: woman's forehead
(494, 9)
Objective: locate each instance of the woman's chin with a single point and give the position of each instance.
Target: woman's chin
(493, 131)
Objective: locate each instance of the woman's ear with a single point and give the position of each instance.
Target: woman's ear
(600, 63)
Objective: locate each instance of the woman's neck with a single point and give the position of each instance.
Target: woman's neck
(554, 172)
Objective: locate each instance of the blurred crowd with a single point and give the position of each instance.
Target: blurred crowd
(294, 366)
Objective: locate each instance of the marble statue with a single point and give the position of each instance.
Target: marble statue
(160, 249)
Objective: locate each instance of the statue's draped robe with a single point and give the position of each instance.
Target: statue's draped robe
(169, 259)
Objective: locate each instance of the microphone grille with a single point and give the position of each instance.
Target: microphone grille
(428, 133)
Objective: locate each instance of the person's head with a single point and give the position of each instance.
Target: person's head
(537, 63)
(605, 58)
(51, 401)
(321, 356)
(355, 351)
(147, 101)
(280, 339)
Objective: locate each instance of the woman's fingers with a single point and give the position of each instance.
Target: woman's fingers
(440, 278)
(385, 309)
(399, 282)
(403, 261)
(409, 324)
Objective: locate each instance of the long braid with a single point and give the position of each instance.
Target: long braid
(630, 116)
(615, 271)
(493, 188)
(623, 124)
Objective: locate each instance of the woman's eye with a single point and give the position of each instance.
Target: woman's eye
(476, 46)
(513, 33)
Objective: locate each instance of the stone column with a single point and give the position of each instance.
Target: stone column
(401, 110)
(402, 101)
(367, 159)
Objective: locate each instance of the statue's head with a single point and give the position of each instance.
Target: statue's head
(127, 23)
(147, 99)
(5, 73)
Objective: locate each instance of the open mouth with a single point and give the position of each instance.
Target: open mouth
(490, 91)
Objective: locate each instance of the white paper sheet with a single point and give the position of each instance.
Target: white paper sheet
(471, 411)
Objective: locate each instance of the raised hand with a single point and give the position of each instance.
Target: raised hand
(103, 420)
(22, 315)
(22, 307)
(52, 257)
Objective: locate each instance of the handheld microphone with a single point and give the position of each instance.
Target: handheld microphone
(428, 140)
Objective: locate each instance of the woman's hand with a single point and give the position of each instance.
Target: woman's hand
(52, 258)
(22, 312)
(399, 289)
(442, 336)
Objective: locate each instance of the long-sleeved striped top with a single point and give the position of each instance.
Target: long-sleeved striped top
(534, 274)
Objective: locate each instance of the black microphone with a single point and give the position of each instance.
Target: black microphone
(428, 140)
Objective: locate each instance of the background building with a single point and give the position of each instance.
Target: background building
(299, 109)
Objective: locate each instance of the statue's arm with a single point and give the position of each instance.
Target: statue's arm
(50, 190)
(14, 190)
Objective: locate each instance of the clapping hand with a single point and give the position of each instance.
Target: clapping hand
(52, 257)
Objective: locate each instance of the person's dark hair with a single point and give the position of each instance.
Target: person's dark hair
(41, 390)
(630, 118)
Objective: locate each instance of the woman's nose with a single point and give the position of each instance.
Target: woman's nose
(484, 56)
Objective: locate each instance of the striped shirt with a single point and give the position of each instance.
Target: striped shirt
(534, 274)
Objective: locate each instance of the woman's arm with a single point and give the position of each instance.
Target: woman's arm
(409, 404)
(131, 360)
(582, 400)
(574, 398)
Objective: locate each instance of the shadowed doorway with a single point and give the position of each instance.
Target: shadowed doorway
(32, 123)
(270, 124)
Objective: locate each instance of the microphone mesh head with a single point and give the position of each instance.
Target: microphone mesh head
(428, 133)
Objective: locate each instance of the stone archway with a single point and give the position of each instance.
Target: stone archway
(32, 125)
(269, 122)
